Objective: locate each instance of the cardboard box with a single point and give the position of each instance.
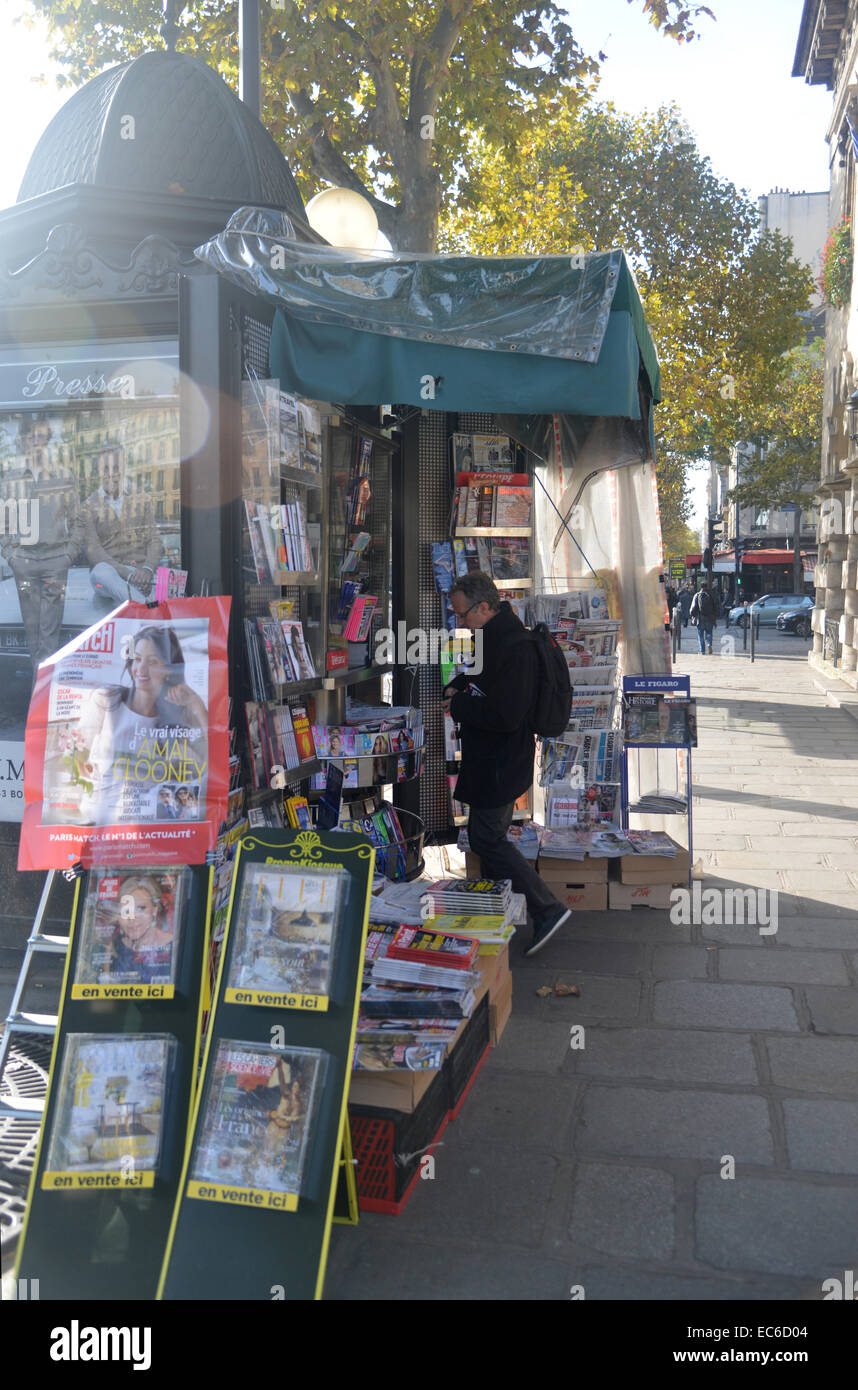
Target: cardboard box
(500, 1011)
(583, 897)
(654, 868)
(624, 896)
(573, 870)
(392, 1090)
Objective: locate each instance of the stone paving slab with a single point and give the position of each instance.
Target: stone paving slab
(786, 966)
(624, 1211)
(690, 1004)
(666, 1054)
(799, 1228)
(822, 1135)
(818, 1065)
(833, 1010)
(653, 1123)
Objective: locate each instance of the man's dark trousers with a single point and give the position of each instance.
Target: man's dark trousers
(487, 829)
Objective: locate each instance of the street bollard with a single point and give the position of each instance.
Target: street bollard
(674, 622)
(755, 631)
(745, 630)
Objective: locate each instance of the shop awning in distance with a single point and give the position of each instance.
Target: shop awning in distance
(769, 557)
(516, 334)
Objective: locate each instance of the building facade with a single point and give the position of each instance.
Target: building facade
(827, 54)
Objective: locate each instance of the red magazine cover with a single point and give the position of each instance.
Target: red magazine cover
(303, 735)
(127, 740)
(434, 948)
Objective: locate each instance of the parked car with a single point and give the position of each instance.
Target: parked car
(795, 620)
(769, 607)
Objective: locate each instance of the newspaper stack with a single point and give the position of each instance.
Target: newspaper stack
(573, 843)
(524, 836)
(658, 802)
(651, 842)
(471, 896)
(396, 903)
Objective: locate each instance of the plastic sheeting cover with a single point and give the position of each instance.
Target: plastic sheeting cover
(548, 306)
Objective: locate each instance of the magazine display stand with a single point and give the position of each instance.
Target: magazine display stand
(655, 687)
(258, 1188)
(121, 1086)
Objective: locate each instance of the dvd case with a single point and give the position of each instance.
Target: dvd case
(130, 927)
(259, 1114)
(107, 1127)
(285, 926)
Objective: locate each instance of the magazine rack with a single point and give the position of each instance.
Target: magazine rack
(96, 1234)
(658, 685)
(249, 1233)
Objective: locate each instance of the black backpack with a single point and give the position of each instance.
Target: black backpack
(705, 604)
(553, 705)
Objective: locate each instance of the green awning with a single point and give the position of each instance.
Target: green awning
(326, 363)
(514, 334)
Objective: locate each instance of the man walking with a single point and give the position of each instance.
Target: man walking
(492, 709)
(703, 613)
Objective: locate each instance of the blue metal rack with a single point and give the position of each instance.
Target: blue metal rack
(657, 685)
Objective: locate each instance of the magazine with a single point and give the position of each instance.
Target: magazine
(259, 1113)
(510, 557)
(513, 506)
(129, 933)
(290, 448)
(641, 719)
(310, 435)
(394, 1056)
(285, 924)
(127, 719)
(111, 1098)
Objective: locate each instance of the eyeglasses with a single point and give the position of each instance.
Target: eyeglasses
(465, 611)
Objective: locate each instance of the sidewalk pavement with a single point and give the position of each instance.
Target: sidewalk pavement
(608, 1169)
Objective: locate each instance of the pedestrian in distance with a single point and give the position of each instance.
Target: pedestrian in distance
(492, 709)
(703, 614)
(685, 597)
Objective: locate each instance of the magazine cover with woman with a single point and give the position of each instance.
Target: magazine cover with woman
(127, 745)
(129, 932)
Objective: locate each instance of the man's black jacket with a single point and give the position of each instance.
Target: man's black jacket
(497, 742)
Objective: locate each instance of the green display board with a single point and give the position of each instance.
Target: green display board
(121, 1085)
(258, 1188)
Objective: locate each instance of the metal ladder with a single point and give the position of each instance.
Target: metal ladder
(39, 942)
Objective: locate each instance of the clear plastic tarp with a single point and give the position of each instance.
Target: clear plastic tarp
(545, 306)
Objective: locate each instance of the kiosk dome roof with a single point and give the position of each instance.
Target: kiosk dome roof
(162, 123)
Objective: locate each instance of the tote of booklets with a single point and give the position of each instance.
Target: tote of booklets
(257, 1193)
(659, 714)
(107, 1169)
